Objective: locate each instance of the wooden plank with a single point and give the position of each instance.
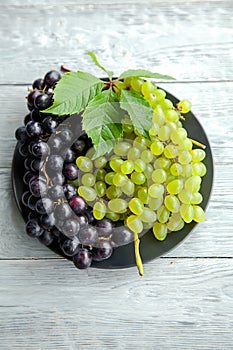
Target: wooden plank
(211, 105)
(188, 40)
(179, 304)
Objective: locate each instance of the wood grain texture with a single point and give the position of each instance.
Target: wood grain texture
(179, 304)
(188, 40)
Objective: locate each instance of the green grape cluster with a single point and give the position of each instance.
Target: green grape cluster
(148, 182)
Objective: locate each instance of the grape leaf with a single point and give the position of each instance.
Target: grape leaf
(73, 92)
(102, 121)
(139, 111)
(94, 59)
(144, 73)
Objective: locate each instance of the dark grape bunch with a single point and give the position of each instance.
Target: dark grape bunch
(56, 214)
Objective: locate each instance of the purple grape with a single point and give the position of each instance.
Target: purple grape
(38, 84)
(88, 235)
(62, 211)
(49, 124)
(32, 202)
(38, 187)
(58, 179)
(47, 221)
(44, 206)
(39, 148)
(82, 260)
(104, 227)
(27, 118)
(66, 135)
(69, 247)
(36, 165)
(56, 192)
(27, 177)
(55, 144)
(51, 78)
(34, 129)
(42, 101)
(121, 236)
(70, 171)
(55, 163)
(20, 134)
(70, 228)
(102, 250)
(69, 191)
(33, 229)
(77, 204)
(78, 147)
(32, 96)
(36, 115)
(46, 238)
(82, 220)
(70, 156)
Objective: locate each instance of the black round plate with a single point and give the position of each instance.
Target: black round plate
(150, 248)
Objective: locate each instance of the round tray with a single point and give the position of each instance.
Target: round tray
(150, 248)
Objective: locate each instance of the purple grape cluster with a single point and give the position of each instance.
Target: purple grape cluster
(57, 215)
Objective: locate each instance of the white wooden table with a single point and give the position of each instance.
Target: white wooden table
(185, 300)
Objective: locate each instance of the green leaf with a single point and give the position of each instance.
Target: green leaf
(94, 59)
(102, 121)
(73, 92)
(139, 111)
(144, 74)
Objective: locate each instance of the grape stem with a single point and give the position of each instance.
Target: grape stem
(64, 69)
(198, 143)
(137, 255)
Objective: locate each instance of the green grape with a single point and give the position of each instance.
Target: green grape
(184, 106)
(148, 215)
(100, 162)
(147, 88)
(160, 231)
(171, 115)
(198, 169)
(148, 171)
(112, 216)
(139, 165)
(157, 148)
(113, 192)
(175, 186)
(143, 194)
(160, 94)
(166, 104)
(134, 224)
(122, 148)
(128, 188)
(127, 125)
(138, 178)
(88, 193)
(164, 133)
(172, 125)
(198, 155)
(75, 182)
(109, 177)
(156, 190)
(147, 225)
(127, 82)
(84, 164)
(118, 205)
(147, 156)
(170, 151)
(115, 164)
(159, 175)
(186, 212)
(185, 196)
(100, 175)
(88, 180)
(119, 179)
(158, 116)
(172, 203)
(163, 214)
(155, 203)
(163, 163)
(196, 198)
(99, 210)
(184, 157)
(133, 153)
(136, 84)
(154, 130)
(136, 206)
(127, 167)
(198, 214)
(176, 169)
(178, 135)
(175, 222)
(187, 170)
(100, 188)
(185, 144)
(170, 177)
(193, 184)
(140, 142)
